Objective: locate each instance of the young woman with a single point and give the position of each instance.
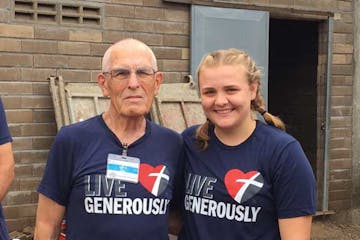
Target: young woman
(244, 179)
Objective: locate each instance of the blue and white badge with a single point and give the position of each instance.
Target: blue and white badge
(122, 167)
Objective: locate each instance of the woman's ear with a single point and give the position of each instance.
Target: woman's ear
(254, 90)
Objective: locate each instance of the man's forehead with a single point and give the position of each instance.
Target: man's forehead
(132, 56)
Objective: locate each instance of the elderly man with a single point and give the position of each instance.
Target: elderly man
(113, 175)
(6, 167)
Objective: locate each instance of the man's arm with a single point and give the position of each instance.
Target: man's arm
(49, 215)
(175, 222)
(298, 228)
(7, 164)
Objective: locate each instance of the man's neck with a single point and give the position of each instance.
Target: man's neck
(127, 129)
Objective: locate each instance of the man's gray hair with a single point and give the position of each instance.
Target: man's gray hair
(128, 42)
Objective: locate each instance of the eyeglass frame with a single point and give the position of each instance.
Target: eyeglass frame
(129, 71)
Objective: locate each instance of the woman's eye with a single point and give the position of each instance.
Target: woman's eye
(208, 92)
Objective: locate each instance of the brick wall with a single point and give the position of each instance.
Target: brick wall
(32, 50)
(340, 183)
(49, 40)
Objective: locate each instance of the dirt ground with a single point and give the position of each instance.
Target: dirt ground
(328, 230)
(322, 229)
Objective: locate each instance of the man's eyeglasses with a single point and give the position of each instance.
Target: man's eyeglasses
(124, 74)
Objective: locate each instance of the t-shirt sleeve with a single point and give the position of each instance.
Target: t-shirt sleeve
(294, 183)
(57, 179)
(4, 130)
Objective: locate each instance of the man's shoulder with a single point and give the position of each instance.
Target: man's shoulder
(80, 129)
(164, 131)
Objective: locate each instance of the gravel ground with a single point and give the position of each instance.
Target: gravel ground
(327, 230)
(321, 230)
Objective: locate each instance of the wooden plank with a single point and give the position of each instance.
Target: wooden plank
(176, 106)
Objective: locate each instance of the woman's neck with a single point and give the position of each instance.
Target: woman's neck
(235, 136)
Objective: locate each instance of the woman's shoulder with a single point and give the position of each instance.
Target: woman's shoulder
(190, 131)
(273, 134)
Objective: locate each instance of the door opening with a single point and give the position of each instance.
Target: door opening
(292, 84)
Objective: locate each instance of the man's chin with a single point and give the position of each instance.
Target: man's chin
(136, 112)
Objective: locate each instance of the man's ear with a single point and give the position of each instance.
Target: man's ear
(103, 84)
(158, 80)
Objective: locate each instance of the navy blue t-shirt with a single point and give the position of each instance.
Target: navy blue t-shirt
(98, 207)
(240, 192)
(5, 137)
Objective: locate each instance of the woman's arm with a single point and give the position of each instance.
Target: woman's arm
(298, 228)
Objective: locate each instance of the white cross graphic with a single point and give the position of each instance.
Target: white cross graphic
(158, 176)
(247, 182)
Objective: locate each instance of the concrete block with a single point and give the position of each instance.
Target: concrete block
(18, 60)
(343, 48)
(15, 88)
(114, 23)
(137, 25)
(341, 91)
(85, 35)
(178, 15)
(149, 38)
(171, 28)
(98, 49)
(38, 129)
(114, 36)
(340, 133)
(150, 13)
(37, 46)
(341, 121)
(340, 163)
(36, 74)
(19, 116)
(175, 65)
(10, 74)
(124, 11)
(342, 59)
(51, 61)
(85, 62)
(42, 32)
(17, 31)
(75, 75)
(43, 115)
(10, 45)
(167, 52)
(39, 102)
(74, 48)
(176, 40)
(345, 6)
(42, 142)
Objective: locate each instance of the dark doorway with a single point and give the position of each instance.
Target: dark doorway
(292, 85)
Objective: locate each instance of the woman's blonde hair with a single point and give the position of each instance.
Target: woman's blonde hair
(235, 57)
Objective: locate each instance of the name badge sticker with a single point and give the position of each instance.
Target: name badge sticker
(122, 167)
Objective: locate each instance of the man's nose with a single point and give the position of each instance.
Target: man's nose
(133, 80)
